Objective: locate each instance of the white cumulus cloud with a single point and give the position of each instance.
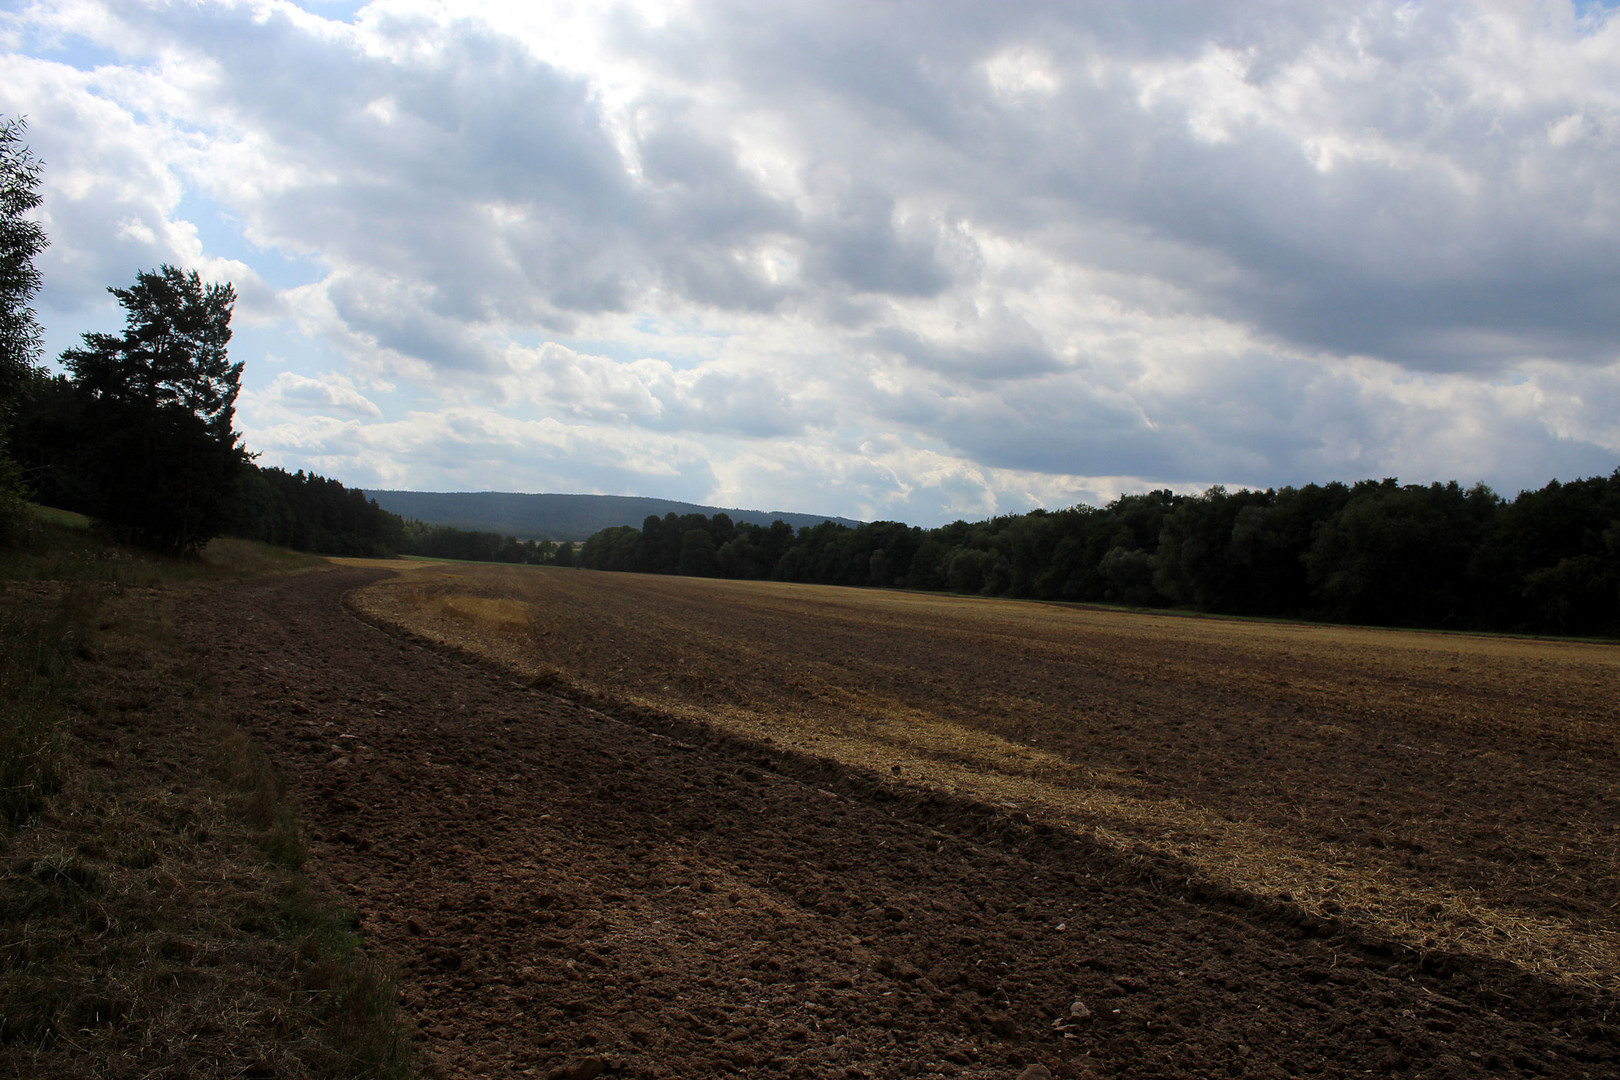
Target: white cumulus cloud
(874, 259)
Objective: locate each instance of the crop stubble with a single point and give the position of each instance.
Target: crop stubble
(566, 888)
(1454, 792)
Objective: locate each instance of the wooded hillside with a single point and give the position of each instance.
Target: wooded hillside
(1377, 552)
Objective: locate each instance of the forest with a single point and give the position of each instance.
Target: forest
(1376, 552)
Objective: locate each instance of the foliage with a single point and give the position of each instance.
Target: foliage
(307, 512)
(140, 436)
(1402, 555)
(613, 549)
(21, 239)
(1376, 552)
(13, 501)
(1561, 547)
(448, 542)
(172, 353)
(20, 336)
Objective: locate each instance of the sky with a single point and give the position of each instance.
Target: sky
(914, 260)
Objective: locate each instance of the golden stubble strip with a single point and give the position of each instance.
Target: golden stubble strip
(1328, 879)
(866, 730)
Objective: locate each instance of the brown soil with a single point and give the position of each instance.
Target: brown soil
(1456, 793)
(563, 889)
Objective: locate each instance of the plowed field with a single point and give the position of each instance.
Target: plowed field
(670, 827)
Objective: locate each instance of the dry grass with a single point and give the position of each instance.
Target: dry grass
(1035, 708)
(154, 917)
(39, 628)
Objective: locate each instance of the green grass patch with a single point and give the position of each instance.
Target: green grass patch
(59, 545)
(229, 557)
(41, 630)
(50, 515)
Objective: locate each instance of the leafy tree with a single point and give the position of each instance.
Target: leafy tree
(615, 548)
(697, 558)
(1129, 576)
(737, 557)
(1378, 552)
(671, 535)
(1195, 559)
(141, 435)
(21, 340)
(1267, 552)
(881, 552)
(1574, 596)
(772, 544)
(966, 570)
(1554, 561)
(648, 547)
(172, 353)
(928, 566)
(1402, 555)
(722, 528)
(307, 512)
(1071, 572)
(1030, 542)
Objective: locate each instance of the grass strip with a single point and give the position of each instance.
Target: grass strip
(157, 918)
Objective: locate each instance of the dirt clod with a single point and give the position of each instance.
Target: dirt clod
(589, 1069)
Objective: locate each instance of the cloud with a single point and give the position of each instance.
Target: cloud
(940, 261)
(331, 396)
(466, 448)
(654, 394)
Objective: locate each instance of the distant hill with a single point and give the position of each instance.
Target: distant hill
(560, 517)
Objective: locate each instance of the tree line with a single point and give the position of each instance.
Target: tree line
(1375, 552)
(472, 545)
(308, 512)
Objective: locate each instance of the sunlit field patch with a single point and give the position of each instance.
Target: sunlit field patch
(506, 614)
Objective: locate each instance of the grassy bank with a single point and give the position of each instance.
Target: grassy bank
(156, 917)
